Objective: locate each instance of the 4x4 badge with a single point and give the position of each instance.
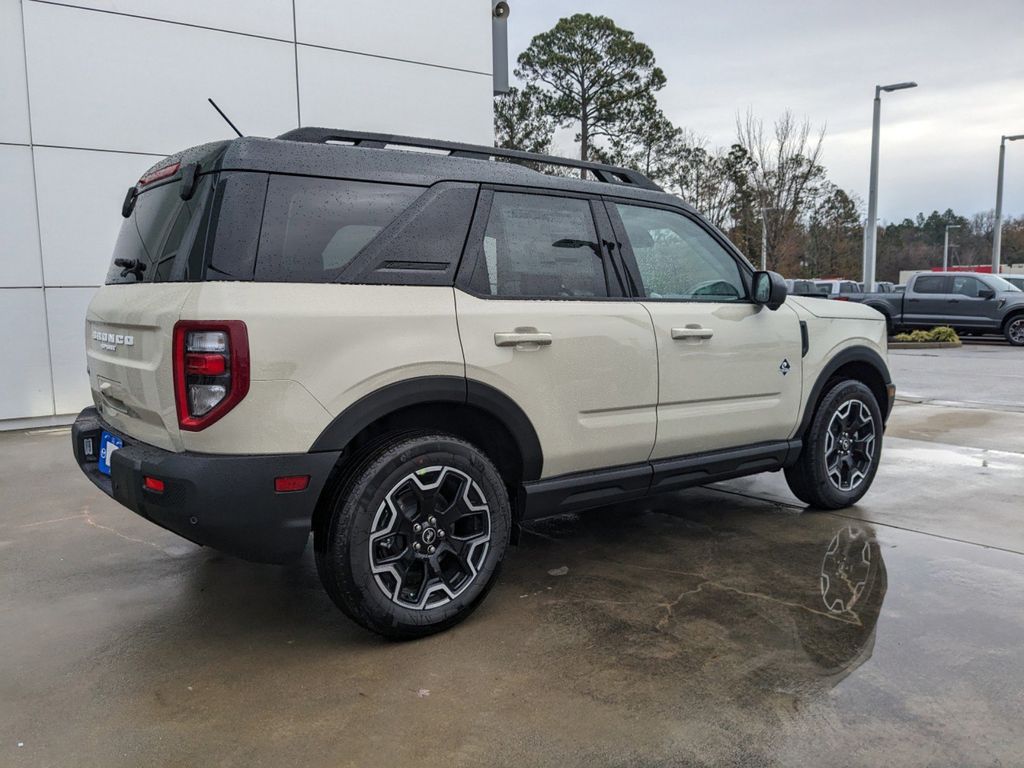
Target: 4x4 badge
(784, 367)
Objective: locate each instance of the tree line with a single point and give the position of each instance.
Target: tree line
(592, 76)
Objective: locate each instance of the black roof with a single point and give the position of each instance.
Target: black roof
(380, 157)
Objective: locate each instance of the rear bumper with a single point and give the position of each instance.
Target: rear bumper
(222, 501)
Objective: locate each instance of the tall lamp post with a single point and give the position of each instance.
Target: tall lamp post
(997, 235)
(945, 247)
(764, 237)
(871, 228)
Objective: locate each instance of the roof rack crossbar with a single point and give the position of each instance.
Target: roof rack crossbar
(609, 174)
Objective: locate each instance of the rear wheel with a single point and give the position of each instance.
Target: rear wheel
(414, 536)
(841, 448)
(1014, 330)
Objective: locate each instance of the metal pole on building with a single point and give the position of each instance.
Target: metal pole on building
(997, 233)
(945, 247)
(871, 227)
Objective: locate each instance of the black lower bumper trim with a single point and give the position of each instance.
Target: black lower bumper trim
(227, 502)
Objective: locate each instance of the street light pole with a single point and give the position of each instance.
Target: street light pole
(871, 227)
(997, 234)
(945, 247)
(764, 237)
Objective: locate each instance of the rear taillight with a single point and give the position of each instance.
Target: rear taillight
(211, 370)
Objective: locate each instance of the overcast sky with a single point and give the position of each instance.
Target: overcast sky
(822, 59)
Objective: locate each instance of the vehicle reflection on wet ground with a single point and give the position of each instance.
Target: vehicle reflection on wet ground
(715, 626)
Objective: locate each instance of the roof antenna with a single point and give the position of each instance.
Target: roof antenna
(226, 118)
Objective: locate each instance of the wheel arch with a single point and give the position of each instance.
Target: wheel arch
(469, 409)
(860, 364)
(1012, 315)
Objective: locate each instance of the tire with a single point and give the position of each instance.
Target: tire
(414, 535)
(1014, 330)
(845, 436)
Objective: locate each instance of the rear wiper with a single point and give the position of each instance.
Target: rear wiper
(131, 267)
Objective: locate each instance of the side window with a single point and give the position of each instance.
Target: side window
(967, 286)
(678, 259)
(313, 228)
(931, 284)
(539, 246)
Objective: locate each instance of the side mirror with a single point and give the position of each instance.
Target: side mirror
(769, 289)
(986, 293)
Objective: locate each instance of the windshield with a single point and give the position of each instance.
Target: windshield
(156, 242)
(1002, 285)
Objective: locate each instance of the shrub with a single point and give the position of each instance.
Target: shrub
(943, 333)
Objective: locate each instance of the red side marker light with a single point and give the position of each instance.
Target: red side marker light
(153, 484)
(290, 483)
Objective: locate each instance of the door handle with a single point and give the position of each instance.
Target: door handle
(913, 301)
(517, 337)
(692, 332)
(952, 301)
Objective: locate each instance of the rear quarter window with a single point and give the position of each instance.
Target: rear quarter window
(314, 228)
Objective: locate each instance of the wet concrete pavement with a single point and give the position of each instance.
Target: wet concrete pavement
(719, 626)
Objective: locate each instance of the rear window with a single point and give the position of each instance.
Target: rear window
(163, 239)
(313, 228)
(931, 284)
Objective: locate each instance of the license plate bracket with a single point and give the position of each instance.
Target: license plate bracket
(108, 444)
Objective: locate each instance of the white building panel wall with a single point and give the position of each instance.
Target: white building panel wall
(82, 190)
(13, 93)
(105, 81)
(455, 33)
(25, 388)
(373, 94)
(19, 254)
(268, 18)
(65, 310)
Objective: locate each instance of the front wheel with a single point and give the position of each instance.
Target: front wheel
(841, 450)
(415, 535)
(1014, 331)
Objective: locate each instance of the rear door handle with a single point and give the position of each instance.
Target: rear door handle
(692, 332)
(514, 338)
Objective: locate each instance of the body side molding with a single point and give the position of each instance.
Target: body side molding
(585, 490)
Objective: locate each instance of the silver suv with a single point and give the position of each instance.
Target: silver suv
(410, 347)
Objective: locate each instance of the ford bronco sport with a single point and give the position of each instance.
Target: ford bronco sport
(410, 347)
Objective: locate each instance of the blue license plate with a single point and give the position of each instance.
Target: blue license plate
(108, 444)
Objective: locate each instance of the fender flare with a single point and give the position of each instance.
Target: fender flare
(855, 354)
(424, 390)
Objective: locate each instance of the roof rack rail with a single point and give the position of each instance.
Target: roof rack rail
(608, 174)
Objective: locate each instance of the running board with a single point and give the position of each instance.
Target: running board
(586, 490)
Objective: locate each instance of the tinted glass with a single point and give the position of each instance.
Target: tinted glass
(536, 246)
(313, 228)
(967, 286)
(931, 284)
(164, 237)
(678, 259)
(1005, 283)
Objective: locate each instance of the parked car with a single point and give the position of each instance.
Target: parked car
(839, 289)
(970, 302)
(1015, 280)
(805, 288)
(410, 353)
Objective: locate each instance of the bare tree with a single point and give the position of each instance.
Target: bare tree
(786, 170)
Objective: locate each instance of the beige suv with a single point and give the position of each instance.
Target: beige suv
(410, 347)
